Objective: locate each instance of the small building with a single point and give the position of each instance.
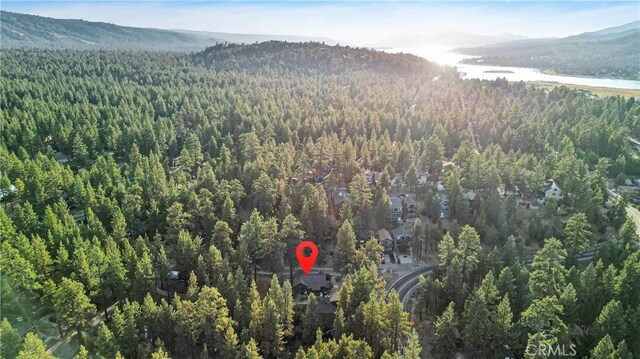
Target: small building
(396, 207)
(7, 191)
(423, 179)
(313, 282)
(410, 204)
(340, 196)
(363, 236)
(176, 282)
(327, 312)
(325, 309)
(385, 239)
(402, 235)
(469, 195)
(551, 190)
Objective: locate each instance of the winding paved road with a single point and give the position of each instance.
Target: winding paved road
(409, 283)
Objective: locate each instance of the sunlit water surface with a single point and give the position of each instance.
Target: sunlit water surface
(441, 55)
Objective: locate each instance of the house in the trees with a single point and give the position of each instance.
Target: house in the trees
(385, 239)
(363, 236)
(409, 204)
(327, 312)
(317, 283)
(396, 207)
(7, 191)
(402, 235)
(340, 196)
(325, 309)
(551, 190)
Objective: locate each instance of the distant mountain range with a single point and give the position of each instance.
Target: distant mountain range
(31, 31)
(449, 39)
(611, 52)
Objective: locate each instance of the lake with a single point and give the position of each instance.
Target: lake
(442, 56)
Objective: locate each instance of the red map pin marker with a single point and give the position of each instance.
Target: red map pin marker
(306, 262)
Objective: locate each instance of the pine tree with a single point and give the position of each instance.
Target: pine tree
(252, 312)
(144, 278)
(79, 151)
(264, 193)
(446, 251)
(230, 344)
(33, 348)
(543, 319)
(221, 238)
(604, 349)
(177, 221)
(413, 348)
(250, 239)
(372, 252)
(383, 210)
(105, 342)
(310, 320)
(628, 283)
(360, 192)
(249, 351)
(290, 235)
(548, 271)
(578, 234)
(229, 211)
(10, 342)
(339, 324)
(345, 251)
(83, 353)
(160, 353)
(72, 306)
(397, 319)
(286, 309)
(446, 333)
(271, 334)
(192, 287)
(611, 322)
(469, 247)
(502, 331)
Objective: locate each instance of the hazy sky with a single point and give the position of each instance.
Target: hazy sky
(356, 22)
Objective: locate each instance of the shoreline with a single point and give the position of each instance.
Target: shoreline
(598, 91)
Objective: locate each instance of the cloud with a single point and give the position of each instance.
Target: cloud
(355, 22)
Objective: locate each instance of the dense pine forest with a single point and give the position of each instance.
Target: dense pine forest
(152, 202)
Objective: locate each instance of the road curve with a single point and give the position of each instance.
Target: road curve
(407, 285)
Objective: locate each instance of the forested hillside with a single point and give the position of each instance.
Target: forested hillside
(610, 53)
(26, 31)
(120, 168)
